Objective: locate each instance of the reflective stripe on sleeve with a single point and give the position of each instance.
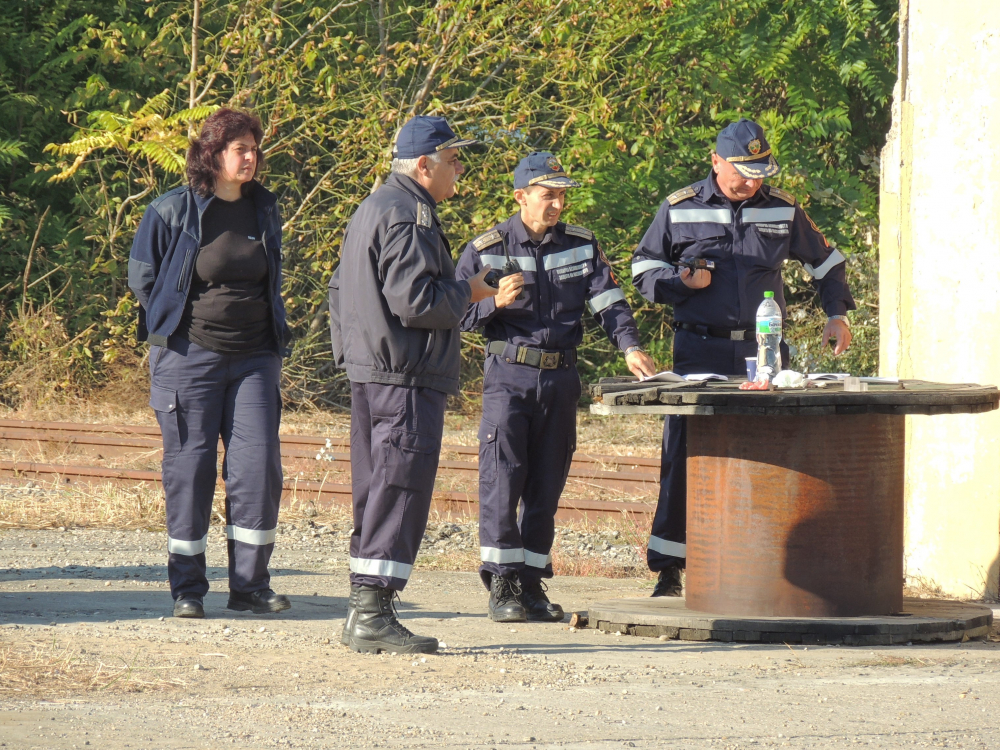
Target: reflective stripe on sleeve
(755, 215)
(387, 568)
(499, 261)
(641, 266)
(260, 537)
(834, 259)
(665, 547)
(501, 556)
(536, 560)
(701, 216)
(605, 299)
(181, 547)
(568, 257)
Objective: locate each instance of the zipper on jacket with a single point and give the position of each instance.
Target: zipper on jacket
(273, 281)
(182, 280)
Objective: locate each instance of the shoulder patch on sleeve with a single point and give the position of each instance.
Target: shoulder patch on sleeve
(681, 195)
(578, 231)
(424, 215)
(815, 228)
(483, 241)
(783, 195)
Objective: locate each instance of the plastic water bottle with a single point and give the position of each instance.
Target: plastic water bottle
(768, 339)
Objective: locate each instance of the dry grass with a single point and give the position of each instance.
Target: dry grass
(34, 669)
(98, 506)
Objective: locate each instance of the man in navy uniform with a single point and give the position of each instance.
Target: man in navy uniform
(530, 383)
(395, 308)
(748, 229)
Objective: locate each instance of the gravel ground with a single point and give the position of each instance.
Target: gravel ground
(239, 680)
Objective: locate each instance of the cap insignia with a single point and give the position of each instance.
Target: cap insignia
(754, 146)
(484, 241)
(423, 215)
(681, 195)
(553, 164)
(578, 231)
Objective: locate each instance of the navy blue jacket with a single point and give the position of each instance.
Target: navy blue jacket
(563, 274)
(166, 245)
(395, 304)
(748, 246)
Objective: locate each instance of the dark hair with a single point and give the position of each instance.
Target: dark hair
(220, 129)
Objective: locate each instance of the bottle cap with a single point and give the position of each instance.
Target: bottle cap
(768, 295)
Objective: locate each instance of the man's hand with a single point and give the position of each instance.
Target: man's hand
(480, 289)
(640, 364)
(696, 279)
(510, 287)
(837, 329)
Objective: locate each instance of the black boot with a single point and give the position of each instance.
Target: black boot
(259, 602)
(189, 605)
(352, 606)
(669, 582)
(536, 602)
(505, 599)
(375, 627)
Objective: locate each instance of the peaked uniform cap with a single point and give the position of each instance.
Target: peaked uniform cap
(542, 168)
(743, 145)
(426, 135)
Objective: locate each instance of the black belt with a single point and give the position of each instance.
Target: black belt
(733, 334)
(540, 358)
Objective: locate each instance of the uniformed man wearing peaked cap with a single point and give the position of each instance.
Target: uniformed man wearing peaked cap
(395, 308)
(530, 383)
(748, 229)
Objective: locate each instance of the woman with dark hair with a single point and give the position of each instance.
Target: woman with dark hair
(206, 268)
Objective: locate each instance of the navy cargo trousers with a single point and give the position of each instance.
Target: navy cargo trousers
(199, 396)
(692, 354)
(395, 446)
(526, 443)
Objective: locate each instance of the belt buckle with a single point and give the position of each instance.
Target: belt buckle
(737, 335)
(550, 361)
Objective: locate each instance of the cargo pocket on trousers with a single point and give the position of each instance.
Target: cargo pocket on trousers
(411, 460)
(487, 452)
(164, 402)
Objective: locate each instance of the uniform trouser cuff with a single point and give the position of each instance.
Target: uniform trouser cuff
(386, 574)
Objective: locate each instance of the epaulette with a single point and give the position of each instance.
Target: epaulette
(681, 195)
(785, 196)
(578, 231)
(424, 215)
(483, 241)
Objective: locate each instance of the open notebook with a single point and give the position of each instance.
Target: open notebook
(672, 377)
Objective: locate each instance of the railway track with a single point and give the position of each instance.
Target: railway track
(632, 481)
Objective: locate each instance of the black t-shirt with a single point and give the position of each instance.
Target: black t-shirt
(228, 309)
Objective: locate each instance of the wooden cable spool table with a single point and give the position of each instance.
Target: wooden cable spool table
(794, 497)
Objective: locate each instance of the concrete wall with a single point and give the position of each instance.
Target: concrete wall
(940, 282)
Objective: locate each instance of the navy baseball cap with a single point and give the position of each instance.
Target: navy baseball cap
(743, 145)
(541, 168)
(426, 135)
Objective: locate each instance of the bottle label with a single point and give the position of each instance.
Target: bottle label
(768, 326)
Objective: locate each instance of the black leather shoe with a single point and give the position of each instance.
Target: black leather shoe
(669, 582)
(536, 602)
(375, 627)
(505, 600)
(189, 605)
(352, 606)
(259, 602)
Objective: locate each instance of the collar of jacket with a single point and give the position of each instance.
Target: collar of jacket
(413, 187)
(709, 189)
(518, 233)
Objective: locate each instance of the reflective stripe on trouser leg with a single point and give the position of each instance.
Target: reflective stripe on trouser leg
(501, 556)
(187, 388)
(252, 468)
(402, 427)
(667, 539)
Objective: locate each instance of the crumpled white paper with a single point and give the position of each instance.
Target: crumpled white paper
(789, 379)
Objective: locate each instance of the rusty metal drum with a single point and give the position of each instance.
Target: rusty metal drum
(795, 516)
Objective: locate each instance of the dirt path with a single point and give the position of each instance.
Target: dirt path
(239, 680)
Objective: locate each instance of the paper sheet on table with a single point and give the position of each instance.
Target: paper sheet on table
(672, 377)
(844, 376)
